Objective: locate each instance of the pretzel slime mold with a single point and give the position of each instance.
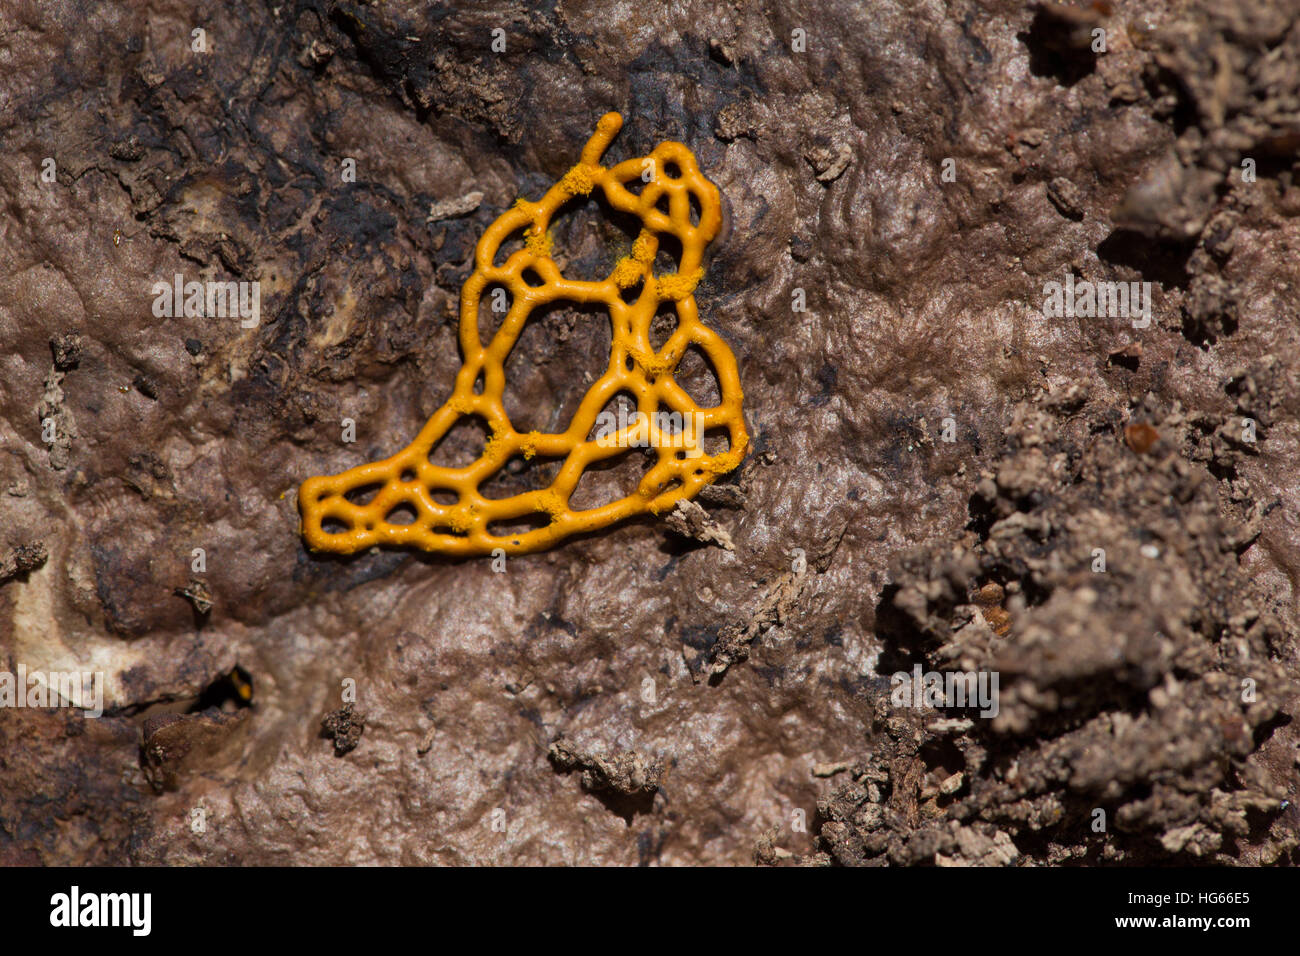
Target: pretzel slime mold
(632, 294)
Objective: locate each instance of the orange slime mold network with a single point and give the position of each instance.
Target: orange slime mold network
(472, 525)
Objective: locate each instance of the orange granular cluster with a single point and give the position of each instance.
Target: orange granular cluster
(473, 525)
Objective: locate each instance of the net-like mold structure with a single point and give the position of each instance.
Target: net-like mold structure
(408, 501)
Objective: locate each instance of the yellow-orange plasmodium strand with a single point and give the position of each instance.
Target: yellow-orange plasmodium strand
(465, 527)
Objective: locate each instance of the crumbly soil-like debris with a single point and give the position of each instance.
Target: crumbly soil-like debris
(66, 350)
(691, 521)
(452, 208)
(625, 783)
(830, 769)
(1141, 669)
(197, 593)
(779, 603)
(829, 162)
(918, 173)
(626, 773)
(766, 850)
(22, 560)
(345, 727)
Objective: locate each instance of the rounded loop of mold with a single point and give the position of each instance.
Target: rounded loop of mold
(675, 200)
